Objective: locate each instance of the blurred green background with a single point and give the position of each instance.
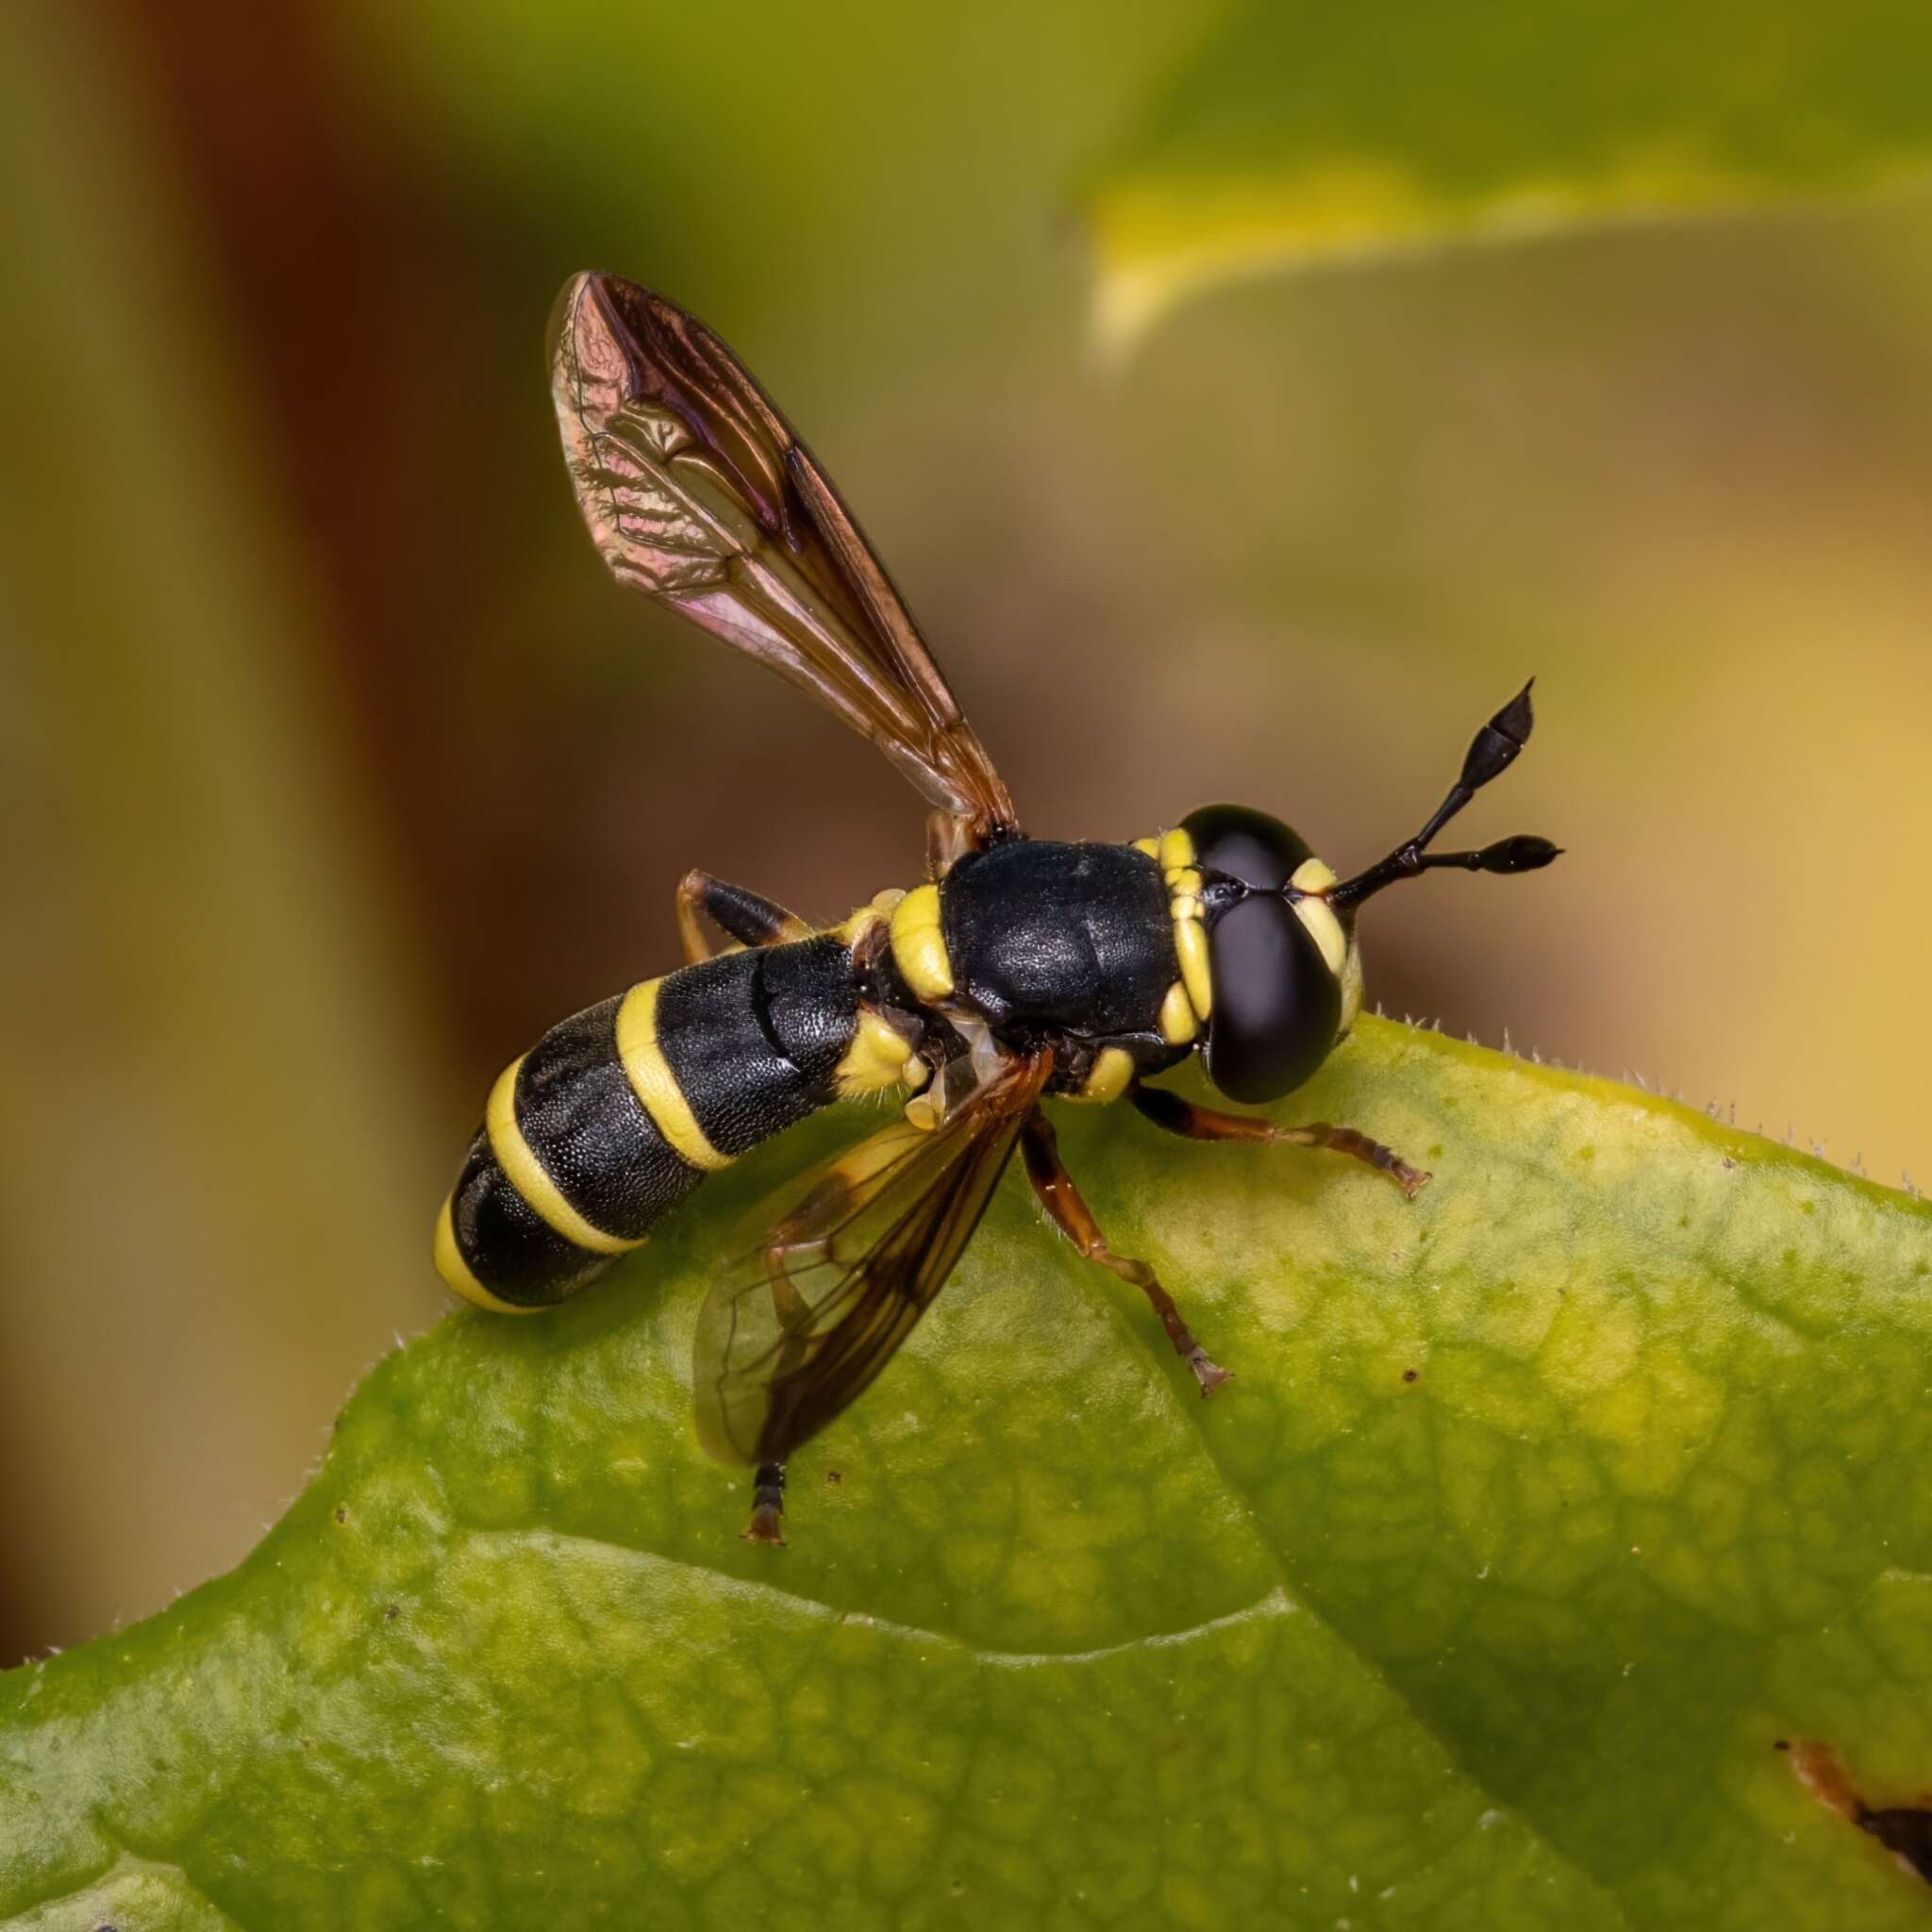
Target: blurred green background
(334, 770)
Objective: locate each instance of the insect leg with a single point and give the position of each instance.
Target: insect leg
(799, 1237)
(1194, 1122)
(948, 837)
(1061, 1199)
(767, 1525)
(748, 918)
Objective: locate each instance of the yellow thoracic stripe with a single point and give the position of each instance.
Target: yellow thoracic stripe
(1179, 1023)
(1190, 944)
(1184, 907)
(654, 1083)
(455, 1271)
(532, 1178)
(919, 946)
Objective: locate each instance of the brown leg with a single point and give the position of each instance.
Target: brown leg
(1061, 1199)
(947, 839)
(800, 1240)
(767, 1525)
(1183, 1117)
(750, 920)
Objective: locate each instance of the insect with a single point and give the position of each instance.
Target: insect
(1018, 970)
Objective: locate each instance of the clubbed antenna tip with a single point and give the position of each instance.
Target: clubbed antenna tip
(1491, 753)
(1525, 852)
(1495, 746)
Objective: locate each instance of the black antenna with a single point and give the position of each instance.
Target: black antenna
(1490, 755)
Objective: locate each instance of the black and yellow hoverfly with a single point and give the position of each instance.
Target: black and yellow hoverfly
(1020, 968)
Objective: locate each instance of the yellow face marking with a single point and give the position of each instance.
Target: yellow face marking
(1108, 1077)
(1177, 1022)
(455, 1271)
(1190, 942)
(1350, 987)
(1318, 916)
(1177, 848)
(876, 1058)
(1150, 846)
(919, 946)
(531, 1179)
(653, 1082)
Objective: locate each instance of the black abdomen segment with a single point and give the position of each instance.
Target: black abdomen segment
(615, 1116)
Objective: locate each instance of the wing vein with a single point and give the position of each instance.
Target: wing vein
(698, 494)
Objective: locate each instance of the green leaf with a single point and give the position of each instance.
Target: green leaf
(1300, 134)
(1542, 1511)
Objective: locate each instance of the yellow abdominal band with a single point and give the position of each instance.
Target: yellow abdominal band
(455, 1271)
(531, 1179)
(654, 1083)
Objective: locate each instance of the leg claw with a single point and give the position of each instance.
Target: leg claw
(767, 1525)
(1208, 1373)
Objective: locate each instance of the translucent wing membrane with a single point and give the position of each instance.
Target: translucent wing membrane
(698, 494)
(800, 1325)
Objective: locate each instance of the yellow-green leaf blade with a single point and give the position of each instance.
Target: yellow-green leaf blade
(1540, 1512)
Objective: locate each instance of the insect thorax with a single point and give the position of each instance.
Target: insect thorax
(1052, 943)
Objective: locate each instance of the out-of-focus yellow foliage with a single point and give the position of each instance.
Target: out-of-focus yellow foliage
(1301, 135)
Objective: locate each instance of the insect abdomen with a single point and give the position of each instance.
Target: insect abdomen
(613, 1117)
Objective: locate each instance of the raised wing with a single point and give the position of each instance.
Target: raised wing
(800, 1325)
(698, 494)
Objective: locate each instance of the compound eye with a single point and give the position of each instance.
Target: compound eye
(1246, 844)
(1277, 1008)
